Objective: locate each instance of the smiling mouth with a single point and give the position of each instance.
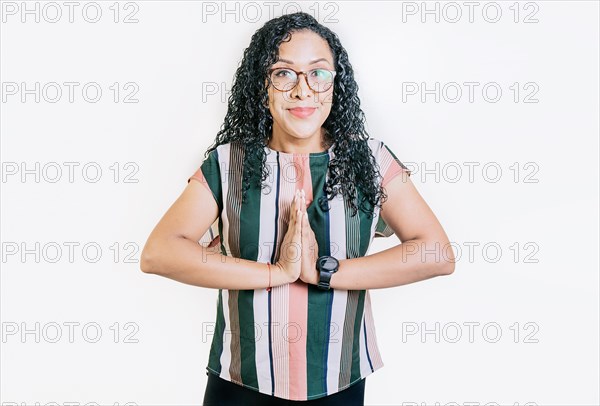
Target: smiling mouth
(302, 111)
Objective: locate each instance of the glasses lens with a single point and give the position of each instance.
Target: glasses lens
(320, 80)
(283, 79)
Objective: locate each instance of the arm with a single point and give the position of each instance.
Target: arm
(425, 253)
(172, 249)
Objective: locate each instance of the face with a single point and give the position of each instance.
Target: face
(305, 51)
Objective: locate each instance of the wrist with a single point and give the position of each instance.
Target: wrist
(314, 276)
(280, 275)
(327, 266)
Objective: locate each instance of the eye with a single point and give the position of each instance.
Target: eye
(320, 73)
(280, 73)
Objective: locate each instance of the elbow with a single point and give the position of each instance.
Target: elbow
(446, 262)
(156, 257)
(148, 263)
(446, 268)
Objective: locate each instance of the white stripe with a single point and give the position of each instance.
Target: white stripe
(225, 168)
(337, 235)
(281, 294)
(365, 367)
(371, 335)
(226, 354)
(375, 146)
(261, 296)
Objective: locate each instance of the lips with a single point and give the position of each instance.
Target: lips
(302, 112)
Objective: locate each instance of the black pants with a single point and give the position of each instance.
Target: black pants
(224, 393)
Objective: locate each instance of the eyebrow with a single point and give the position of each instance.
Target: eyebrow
(310, 63)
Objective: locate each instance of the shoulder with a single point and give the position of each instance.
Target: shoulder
(222, 151)
(376, 145)
(386, 158)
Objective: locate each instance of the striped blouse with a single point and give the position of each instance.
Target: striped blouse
(296, 341)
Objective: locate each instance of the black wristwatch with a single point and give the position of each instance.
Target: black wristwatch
(327, 266)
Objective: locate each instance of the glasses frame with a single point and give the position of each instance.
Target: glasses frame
(298, 73)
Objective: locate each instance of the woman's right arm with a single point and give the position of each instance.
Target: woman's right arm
(172, 249)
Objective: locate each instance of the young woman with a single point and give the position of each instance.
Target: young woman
(296, 190)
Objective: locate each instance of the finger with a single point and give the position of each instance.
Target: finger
(298, 229)
(294, 207)
(305, 234)
(305, 225)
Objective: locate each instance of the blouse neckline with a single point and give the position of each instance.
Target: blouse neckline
(298, 154)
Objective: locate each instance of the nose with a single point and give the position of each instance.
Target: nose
(302, 88)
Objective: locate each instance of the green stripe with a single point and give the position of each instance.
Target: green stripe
(210, 169)
(358, 232)
(248, 245)
(318, 300)
(365, 223)
(216, 348)
(355, 374)
(348, 339)
(382, 229)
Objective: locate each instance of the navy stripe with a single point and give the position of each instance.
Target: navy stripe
(366, 347)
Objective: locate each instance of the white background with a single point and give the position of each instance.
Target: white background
(172, 54)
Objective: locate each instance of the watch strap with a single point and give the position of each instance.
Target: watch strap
(324, 280)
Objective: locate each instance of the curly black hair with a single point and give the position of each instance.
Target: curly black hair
(250, 122)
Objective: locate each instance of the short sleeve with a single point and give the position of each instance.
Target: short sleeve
(389, 164)
(390, 167)
(209, 175)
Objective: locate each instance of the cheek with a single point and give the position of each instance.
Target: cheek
(326, 98)
(327, 103)
(279, 100)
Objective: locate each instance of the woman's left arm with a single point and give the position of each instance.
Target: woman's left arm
(425, 252)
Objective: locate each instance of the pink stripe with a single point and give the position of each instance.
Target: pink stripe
(299, 298)
(392, 171)
(296, 335)
(371, 334)
(198, 175)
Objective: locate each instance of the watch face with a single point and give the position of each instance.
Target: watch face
(328, 263)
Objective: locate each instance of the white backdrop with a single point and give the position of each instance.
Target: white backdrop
(512, 177)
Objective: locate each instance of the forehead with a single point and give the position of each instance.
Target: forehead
(305, 46)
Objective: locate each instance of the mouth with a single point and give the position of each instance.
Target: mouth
(302, 112)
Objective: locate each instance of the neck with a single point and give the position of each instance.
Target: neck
(316, 143)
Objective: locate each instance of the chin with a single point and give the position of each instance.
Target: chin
(303, 133)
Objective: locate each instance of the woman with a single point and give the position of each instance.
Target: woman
(296, 190)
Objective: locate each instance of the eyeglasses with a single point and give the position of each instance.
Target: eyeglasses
(284, 79)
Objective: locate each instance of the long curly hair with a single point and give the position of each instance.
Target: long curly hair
(249, 121)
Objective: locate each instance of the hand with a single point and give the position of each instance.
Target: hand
(291, 246)
(310, 249)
